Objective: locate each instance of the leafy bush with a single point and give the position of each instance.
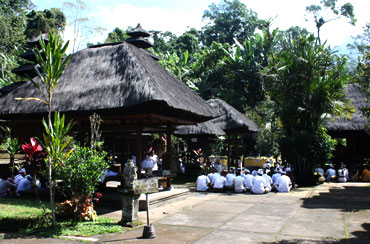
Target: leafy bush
(82, 170)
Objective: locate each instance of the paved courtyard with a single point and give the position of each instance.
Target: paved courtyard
(329, 213)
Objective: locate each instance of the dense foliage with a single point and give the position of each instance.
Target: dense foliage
(307, 82)
(82, 170)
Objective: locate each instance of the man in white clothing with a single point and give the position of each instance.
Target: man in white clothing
(343, 174)
(276, 176)
(284, 184)
(25, 184)
(248, 180)
(5, 186)
(230, 180)
(214, 177)
(259, 183)
(330, 173)
(219, 184)
(239, 183)
(268, 181)
(20, 176)
(202, 183)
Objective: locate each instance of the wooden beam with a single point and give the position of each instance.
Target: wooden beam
(139, 150)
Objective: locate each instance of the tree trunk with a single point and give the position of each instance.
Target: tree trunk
(51, 186)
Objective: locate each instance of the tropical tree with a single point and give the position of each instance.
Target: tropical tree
(117, 35)
(363, 78)
(227, 21)
(321, 16)
(52, 65)
(49, 20)
(12, 23)
(306, 80)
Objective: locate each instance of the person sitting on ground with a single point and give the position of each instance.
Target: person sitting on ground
(21, 174)
(147, 164)
(219, 183)
(25, 184)
(330, 173)
(210, 174)
(248, 179)
(290, 174)
(319, 170)
(229, 185)
(202, 183)
(284, 183)
(5, 186)
(239, 183)
(254, 171)
(214, 177)
(276, 176)
(343, 174)
(269, 181)
(259, 183)
(107, 172)
(365, 175)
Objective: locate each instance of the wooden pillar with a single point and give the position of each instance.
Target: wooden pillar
(169, 146)
(228, 152)
(236, 150)
(139, 150)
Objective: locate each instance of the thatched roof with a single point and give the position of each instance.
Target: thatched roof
(231, 120)
(113, 79)
(358, 100)
(205, 128)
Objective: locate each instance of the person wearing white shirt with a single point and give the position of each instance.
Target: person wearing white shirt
(268, 181)
(248, 180)
(320, 170)
(254, 172)
(330, 173)
(215, 176)
(284, 184)
(276, 176)
(202, 183)
(20, 176)
(25, 184)
(230, 180)
(259, 183)
(5, 186)
(239, 183)
(219, 184)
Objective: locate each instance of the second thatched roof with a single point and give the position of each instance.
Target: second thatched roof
(358, 120)
(112, 79)
(230, 121)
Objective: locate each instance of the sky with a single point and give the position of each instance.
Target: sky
(178, 16)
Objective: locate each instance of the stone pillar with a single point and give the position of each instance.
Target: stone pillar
(130, 200)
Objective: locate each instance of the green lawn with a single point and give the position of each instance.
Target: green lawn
(25, 217)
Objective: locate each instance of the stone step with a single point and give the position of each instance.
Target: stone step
(112, 198)
(163, 197)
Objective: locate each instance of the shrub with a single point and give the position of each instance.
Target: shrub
(82, 170)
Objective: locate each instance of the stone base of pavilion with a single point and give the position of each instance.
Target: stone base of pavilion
(112, 199)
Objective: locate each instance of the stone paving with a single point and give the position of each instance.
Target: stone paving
(329, 213)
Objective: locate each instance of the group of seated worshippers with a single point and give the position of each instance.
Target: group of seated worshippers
(240, 181)
(19, 184)
(342, 174)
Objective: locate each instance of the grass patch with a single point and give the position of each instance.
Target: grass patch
(25, 217)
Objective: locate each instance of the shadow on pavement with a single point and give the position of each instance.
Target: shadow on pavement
(348, 198)
(359, 237)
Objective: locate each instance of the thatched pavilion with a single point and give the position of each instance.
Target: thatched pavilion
(122, 83)
(353, 130)
(231, 123)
